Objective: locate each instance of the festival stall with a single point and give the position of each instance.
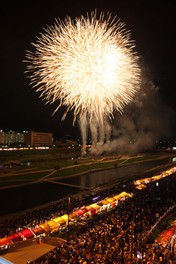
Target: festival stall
(104, 204)
(141, 186)
(92, 210)
(96, 207)
(38, 230)
(53, 225)
(15, 237)
(59, 221)
(26, 234)
(145, 181)
(45, 227)
(79, 212)
(112, 201)
(122, 196)
(165, 236)
(65, 217)
(5, 241)
(62, 221)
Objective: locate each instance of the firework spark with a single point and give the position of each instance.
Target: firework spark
(88, 65)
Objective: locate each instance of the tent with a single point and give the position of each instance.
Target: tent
(5, 241)
(164, 237)
(122, 196)
(172, 227)
(65, 217)
(53, 225)
(60, 220)
(77, 213)
(96, 206)
(15, 238)
(141, 186)
(26, 233)
(91, 209)
(46, 227)
(84, 210)
(112, 201)
(103, 202)
(38, 230)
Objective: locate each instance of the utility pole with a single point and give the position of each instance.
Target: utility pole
(68, 229)
(132, 240)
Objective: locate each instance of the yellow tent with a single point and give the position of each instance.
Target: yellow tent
(59, 220)
(45, 227)
(53, 225)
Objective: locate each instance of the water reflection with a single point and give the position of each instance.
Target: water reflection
(22, 198)
(94, 179)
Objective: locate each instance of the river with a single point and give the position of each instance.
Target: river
(26, 197)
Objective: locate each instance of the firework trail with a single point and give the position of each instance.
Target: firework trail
(88, 65)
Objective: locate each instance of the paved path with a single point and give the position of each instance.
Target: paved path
(28, 253)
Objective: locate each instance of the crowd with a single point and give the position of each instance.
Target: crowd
(121, 236)
(118, 237)
(45, 213)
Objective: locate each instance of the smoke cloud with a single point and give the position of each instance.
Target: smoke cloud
(144, 121)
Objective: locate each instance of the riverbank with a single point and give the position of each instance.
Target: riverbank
(21, 197)
(21, 176)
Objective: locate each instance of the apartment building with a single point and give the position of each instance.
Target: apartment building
(25, 138)
(39, 139)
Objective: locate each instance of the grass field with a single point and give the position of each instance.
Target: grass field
(30, 166)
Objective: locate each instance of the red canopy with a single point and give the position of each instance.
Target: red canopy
(26, 233)
(15, 237)
(165, 237)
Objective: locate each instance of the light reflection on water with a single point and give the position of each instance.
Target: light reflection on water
(22, 198)
(94, 179)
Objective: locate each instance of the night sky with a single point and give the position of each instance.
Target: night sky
(152, 24)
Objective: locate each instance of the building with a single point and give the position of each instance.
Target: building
(25, 139)
(12, 138)
(1, 137)
(39, 139)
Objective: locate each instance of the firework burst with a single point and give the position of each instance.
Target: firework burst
(88, 65)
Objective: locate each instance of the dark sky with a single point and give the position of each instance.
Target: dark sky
(152, 24)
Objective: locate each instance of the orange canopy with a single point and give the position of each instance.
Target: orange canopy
(5, 241)
(46, 227)
(53, 225)
(38, 230)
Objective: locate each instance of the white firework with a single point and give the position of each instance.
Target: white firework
(88, 65)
